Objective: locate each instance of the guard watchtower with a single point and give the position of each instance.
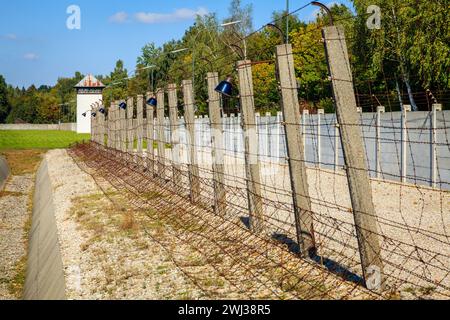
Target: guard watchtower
(89, 91)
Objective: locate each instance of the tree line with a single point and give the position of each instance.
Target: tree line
(406, 61)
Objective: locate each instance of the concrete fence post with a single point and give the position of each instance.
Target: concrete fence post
(102, 129)
(251, 144)
(115, 116)
(189, 113)
(93, 129)
(161, 136)
(120, 114)
(404, 141)
(298, 175)
(433, 180)
(123, 129)
(380, 110)
(108, 128)
(150, 135)
(118, 125)
(112, 115)
(94, 125)
(111, 125)
(220, 196)
(320, 112)
(174, 135)
(98, 124)
(130, 126)
(140, 124)
(355, 158)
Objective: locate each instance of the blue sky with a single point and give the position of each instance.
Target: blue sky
(36, 47)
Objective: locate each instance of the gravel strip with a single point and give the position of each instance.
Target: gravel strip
(13, 217)
(101, 259)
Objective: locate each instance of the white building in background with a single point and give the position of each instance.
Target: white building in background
(89, 91)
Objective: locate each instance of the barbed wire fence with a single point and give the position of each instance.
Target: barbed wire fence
(298, 205)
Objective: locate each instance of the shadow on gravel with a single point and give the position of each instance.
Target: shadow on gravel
(332, 266)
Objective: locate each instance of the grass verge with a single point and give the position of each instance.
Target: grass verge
(23, 162)
(34, 139)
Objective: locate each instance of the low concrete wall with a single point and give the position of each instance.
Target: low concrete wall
(45, 273)
(42, 127)
(4, 172)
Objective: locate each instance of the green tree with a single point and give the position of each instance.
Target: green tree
(310, 63)
(280, 17)
(117, 84)
(412, 45)
(239, 12)
(265, 86)
(4, 103)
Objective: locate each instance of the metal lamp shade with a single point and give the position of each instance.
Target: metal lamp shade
(102, 110)
(84, 114)
(94, 114)
(123, 106)
(225, 87)
(152, 102)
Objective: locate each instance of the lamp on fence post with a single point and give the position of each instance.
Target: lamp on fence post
(152, 102)
(123, 105)
(225, 87)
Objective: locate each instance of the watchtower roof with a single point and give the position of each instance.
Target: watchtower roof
(90, 82)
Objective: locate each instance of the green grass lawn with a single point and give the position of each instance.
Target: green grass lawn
(23, 140)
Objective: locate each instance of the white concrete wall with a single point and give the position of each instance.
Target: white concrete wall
(43, 127)
(45, 272)
(84, 102)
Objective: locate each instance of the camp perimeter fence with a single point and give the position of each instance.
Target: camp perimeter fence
(345, 205)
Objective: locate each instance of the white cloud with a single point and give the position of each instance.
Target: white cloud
(10, 36)
(119, 17)
(177, 15)
(31, 56)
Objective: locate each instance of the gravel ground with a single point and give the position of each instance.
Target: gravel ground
(107, 257)
(221, 258)
(413, 222)
(14, 214)
(112, 251)
(102, 258)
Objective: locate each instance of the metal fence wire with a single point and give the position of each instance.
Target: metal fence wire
(293, 205)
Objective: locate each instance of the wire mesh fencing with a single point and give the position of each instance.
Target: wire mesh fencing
(299, 204)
